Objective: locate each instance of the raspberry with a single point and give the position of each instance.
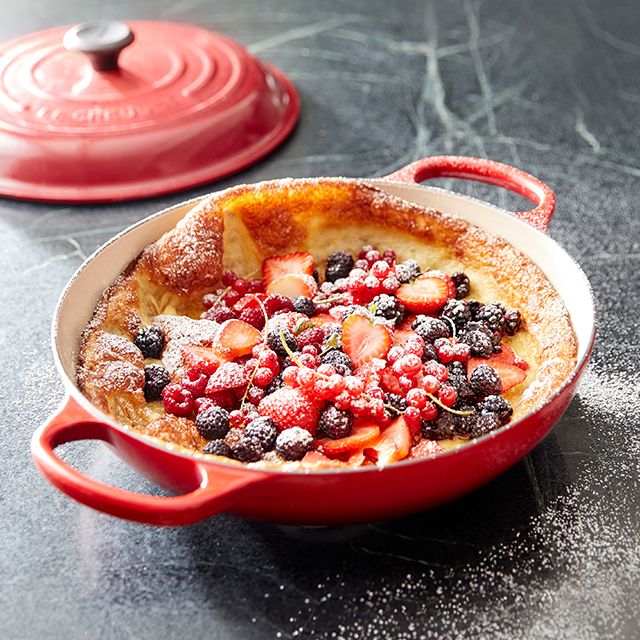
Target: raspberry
(217, 448)
(339, 264)
(289, 407)
(430, 329)
(274, 340)
(228, 277)
(177, 400)
(497, 406)
(447, 395)
(389, 256)
(407, 271)
(485, 381)
(339, 360)
(512, 321)
(304, 305)
(247, 449)
(264, 429)
(335, 423)
(223, 399)
(156, 378)
(461, 280)
(220, 313)
(262, 377)
(150, 340)
(213, 423)
(231, 297)
(276, 302)
(313, 336)
(195, 382)
(253, 316)
(293, 443)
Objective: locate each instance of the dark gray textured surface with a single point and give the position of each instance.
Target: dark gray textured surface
(552, 548)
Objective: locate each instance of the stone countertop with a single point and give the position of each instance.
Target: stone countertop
(549, 550)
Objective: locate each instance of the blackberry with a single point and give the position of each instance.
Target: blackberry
(150, 340)
(457, 311)
(496, 405)
(466, 424)
(293, 443)
(335, 423)
(407, 271)
(217, 448)
(388, 307)
(396, 401)
(430, 329)
(355, 308)
(485, 381)
(274, 385)
(274, 340)
(339, 265)
(339, 360)
(156, 378)
(247, 449)
(484, 423)
(443, 427)
(461, 280)
(429, 352)
(265, 430)
(458, 380)
(492, 315)
(304, 305)
(474, 325)
(480, 344)
(213, 422)
(315, 275)
(474, 307)
(512, 321)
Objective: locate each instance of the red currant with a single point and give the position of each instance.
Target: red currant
(447, 395)
(410, 364)
(389, 256)
(262, 377)
(306, 360)
(405, 384)
(268, 358)
(326, 370)
(200, 404)
(228, 277)
(390, 284)
(415, 345)
(256, 285)
(429, 412)
(254, 395)
(433, 368)
(372, 256)
(306, 378)
(232, 297)
(311, 349)
(417, 398)
(365, 250)
(380, 269)
(430, 384)
(240, 285)
(235, 418)
(461, 352)
(290, 376)
(412, 416)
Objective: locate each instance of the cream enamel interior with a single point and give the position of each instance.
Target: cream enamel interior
(78, 301)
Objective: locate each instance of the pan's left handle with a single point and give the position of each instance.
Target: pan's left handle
(489, 171)
(211, 493)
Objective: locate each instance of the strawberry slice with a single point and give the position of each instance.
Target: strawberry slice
(229, 375)
(323, 318)
(510, 368)
(313, 457)
(389, 381)
(361, 436)
(277, 266)
(201, 359)
(394, 442)
(235, 338)
(407, 322)
(362, 340)
(294, 286)
(427, 293)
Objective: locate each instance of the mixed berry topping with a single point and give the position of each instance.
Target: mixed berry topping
(375, 363)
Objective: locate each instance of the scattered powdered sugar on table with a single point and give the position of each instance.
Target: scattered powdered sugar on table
(531, 586)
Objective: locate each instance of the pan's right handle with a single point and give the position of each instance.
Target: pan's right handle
(489, 171)
(210, 494)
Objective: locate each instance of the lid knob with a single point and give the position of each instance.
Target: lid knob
(101, 41)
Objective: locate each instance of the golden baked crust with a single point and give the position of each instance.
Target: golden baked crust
(239, 227)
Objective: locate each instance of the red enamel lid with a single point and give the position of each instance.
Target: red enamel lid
(111, 111)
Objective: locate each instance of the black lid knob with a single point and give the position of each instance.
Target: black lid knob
(101, 41)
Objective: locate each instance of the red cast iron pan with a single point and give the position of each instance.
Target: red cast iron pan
(329, 497)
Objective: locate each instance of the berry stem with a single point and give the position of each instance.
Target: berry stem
(264, 340)
(449, 409)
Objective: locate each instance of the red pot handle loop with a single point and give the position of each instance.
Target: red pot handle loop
(489, 171)
(72, 423)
